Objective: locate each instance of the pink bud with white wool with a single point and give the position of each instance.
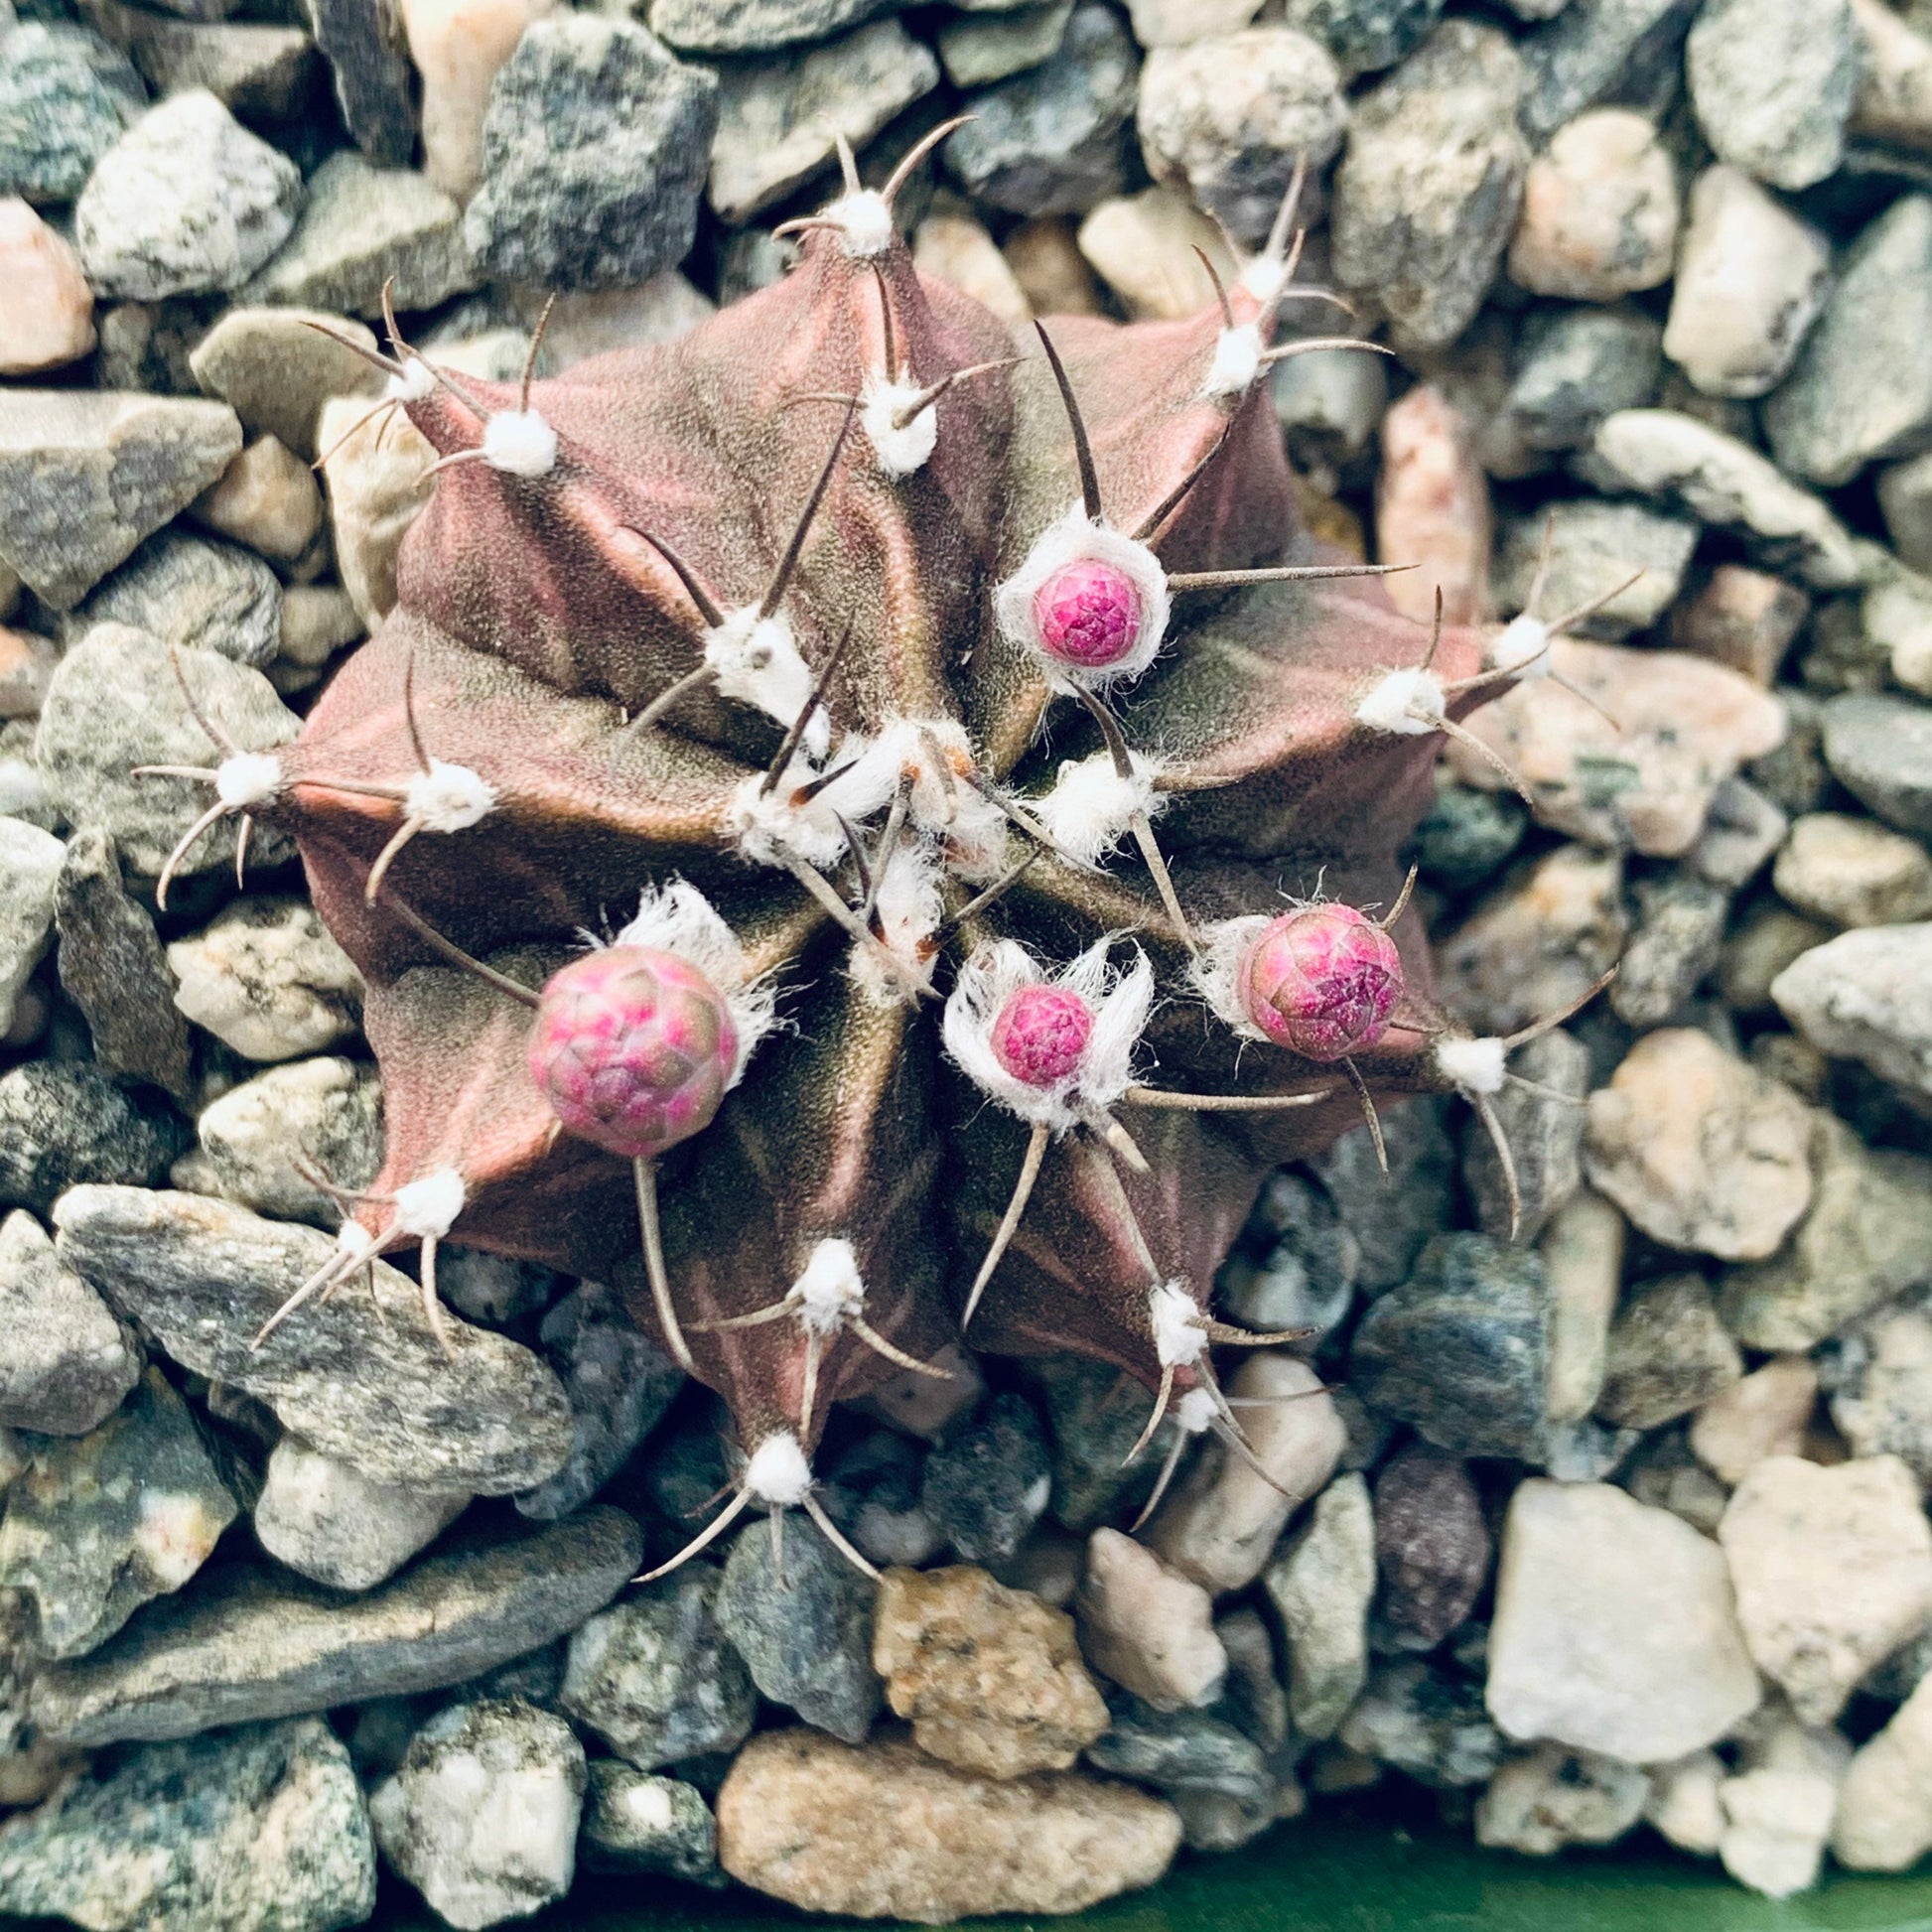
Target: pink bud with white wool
(1320, 981)
(634, 1049)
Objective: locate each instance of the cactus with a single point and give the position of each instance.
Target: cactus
(938, 700)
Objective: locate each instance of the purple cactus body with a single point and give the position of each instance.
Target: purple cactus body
(1321, 981)
(633, 1048)
(535, 623)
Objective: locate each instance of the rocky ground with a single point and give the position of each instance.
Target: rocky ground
(1617, 1528)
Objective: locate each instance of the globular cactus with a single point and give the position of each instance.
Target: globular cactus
(995, 791)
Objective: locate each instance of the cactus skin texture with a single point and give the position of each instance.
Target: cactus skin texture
(541, 609)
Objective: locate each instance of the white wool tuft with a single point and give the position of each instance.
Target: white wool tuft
(427, 1208)
(1066, 541)
(1475, 1065)
(1090, 807)
(937, 757)
(779, 1474)
(1521, 647)
(1236, 364)
(1216, 970)
(1195, 1412)
(247, 778)
(352, 1238)
(413, 382)
(772, 831)
(831, 1287)
(1407, 703)
(863, 220)
(757, 661)
(1264, 277)
(519, 441)
(676, 917)
(449, 797)
(909, 908)
(899, 451)
(1179, 1340)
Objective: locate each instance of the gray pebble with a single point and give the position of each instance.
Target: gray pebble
(1598, 50)
(1296, 1264)
(492, 1289)
(252, 1642)
(1595, 549)
(1667, 1354)
(97, 1525)
(1772, 81)
(989, 1483)
(86, 474)
(68, 1360)
(803, 1625)
(1677, 939)
(873, 1495)
(976, 51)
(757, 26)
(113, 969)
(1432, 1547)
(1050, 141)
(244, 1830)
(363, 227)
(618, 1383)
(275, 368)
(204, 1275)
(322, 1114)
(66, 99)
(1576, 365)
(1234, 149)
(63, 1124)
(1095, 1414)
(192, 592)
(1364, 34)
(1181, 1750)
(595, 150)
(495, 1758)
(1461, 1351)
(188, 201)
(1881, 747)
(1427, 1723)
(1867, 996)
(372, 73)
(635, 1822)
(1393, 1216)
(1467, 836)
(1427, 195)
(654, 1677)
(30, 870)
(258, 72)
(1860, 390)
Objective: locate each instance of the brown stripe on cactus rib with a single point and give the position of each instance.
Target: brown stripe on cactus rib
(706, 442)
(831, 1135)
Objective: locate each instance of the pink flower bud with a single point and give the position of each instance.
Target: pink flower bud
(1040, 1034)
(1321, 982)
(1088, 614)
(633, 1048)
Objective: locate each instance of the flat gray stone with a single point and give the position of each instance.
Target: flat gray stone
(1881, 747)
(1598, 50)
(778, 119)
(250, 1830)
(97, 1525)
(1772, 81)
(1867, 996)
(192, 592)
(757, 26)
(365, 226)
(86, 473)
(115, 703)
(1364, 34)
(1676, 459)
(276, 367)
(66, 99)
(186, 202)
(634, 1821)
(1050, 141)
(372, 72)
(249, 1643)
(68, 1360)
(256, 70)
(1595, 549)
(113, 969)
(204, 1275)
(1860, 390)
(322, 1114)
(977, 51)
(1576, 365)
(329, 1522)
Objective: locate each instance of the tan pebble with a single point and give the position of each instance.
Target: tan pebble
(1143, 248)
(267, 499)
(47, 310)
(1432, 509)
(1052, 274)
(1763, 1415)
(1743, 617)
(1147, 1626)
(955, 248)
